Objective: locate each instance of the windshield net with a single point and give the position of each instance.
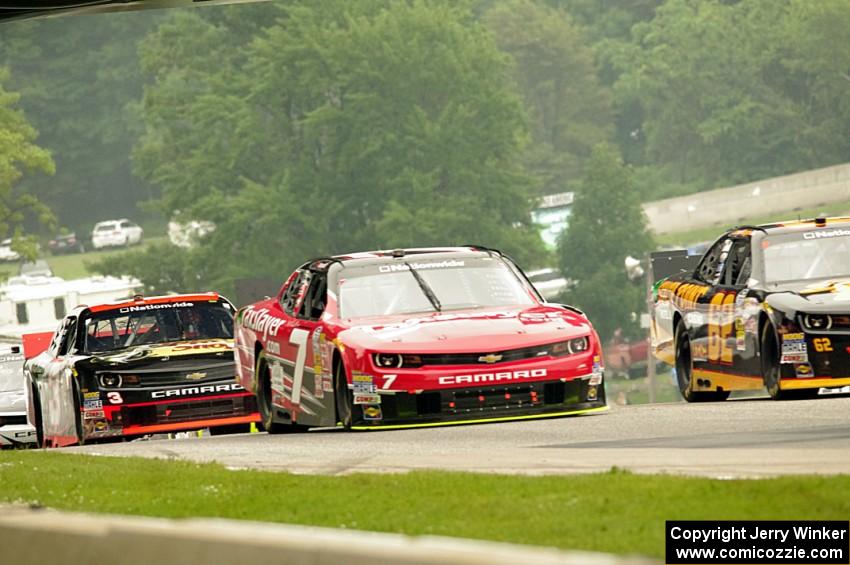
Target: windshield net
(808, 255)
(385, 289)
(157, 323)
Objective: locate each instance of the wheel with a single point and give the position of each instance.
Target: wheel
(78, 415)
(230, 429)
(772, 369)
(264, 399)
(685, 368)
(343, 397)
(39, 427)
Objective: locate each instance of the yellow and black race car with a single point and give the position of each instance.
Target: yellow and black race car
(766, 306)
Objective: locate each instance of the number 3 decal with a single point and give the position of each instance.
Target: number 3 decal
(298, 337)
(114, 397)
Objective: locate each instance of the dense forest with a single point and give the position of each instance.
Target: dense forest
(309, 127)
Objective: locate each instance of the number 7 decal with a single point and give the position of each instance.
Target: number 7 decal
(298, 337)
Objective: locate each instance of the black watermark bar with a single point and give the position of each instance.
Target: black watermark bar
(750, 542)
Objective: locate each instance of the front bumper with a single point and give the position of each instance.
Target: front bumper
(478, 404)
(172, 415)
(14, 428)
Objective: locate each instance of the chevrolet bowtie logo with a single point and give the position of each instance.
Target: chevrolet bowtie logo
(491, 358)
(195, 376)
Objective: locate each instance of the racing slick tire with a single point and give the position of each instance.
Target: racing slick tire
(343, 397)
(78, 415)
(771, 369)
(684, 371)
(39, 427)
(264, 399)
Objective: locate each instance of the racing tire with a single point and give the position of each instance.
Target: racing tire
(685, 368)
(343, 398)
(39, 427)
(264, 400)
(78, 415)
(771, 369)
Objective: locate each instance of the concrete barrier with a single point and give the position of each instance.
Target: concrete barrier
(726, 206)
(38, 536)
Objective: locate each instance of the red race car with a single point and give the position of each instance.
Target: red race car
(413, 338)
(146, 365)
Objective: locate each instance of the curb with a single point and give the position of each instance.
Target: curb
(37, 536)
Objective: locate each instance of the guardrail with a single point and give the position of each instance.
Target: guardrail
(39, 536)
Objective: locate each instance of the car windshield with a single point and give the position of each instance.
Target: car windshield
(157, 323)
(380, 290)
(816, 254)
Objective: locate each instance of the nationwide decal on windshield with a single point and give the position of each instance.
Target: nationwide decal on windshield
(165, 306)
(826, 233)
(399, 267)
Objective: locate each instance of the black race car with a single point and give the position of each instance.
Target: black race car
(141, 366)
(766, 306)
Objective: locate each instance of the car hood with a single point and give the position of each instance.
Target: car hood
(458, 331)
(825, 296)
(146, 354)
(11, 372)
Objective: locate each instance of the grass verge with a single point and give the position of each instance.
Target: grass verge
(705, 234)
(613, 512)
(75, 266)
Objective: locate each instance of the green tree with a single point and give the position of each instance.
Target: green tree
(607, 225)
(554, 68)
(335, 126)
(736, 91)
(78, 78)
(19, 155)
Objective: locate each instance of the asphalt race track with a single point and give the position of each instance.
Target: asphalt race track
(739, 438)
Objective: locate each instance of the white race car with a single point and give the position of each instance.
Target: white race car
(14, 428)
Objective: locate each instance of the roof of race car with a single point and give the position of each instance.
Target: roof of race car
(141, 301)
(791, 226)
(796, 225)
(383, 256)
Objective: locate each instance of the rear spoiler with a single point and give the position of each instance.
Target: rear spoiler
(36, 343)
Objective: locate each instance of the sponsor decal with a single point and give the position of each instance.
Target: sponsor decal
(273, 347)
(367, 399)
(372, 413)
(363, 384)
(596, 374)
(11, 358)
(804, 371)
(740, 335)
(327, 383)
(794, 349)
(93, 414)
(147, 307)
(394, 268)
(592, 391)
(694, 319)
(493, 377)
(196, 390)
(699, 351)
(261, 321)
(90, 395)
(92, 404)
(100, 426)
(826, 234)
(317, 351)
